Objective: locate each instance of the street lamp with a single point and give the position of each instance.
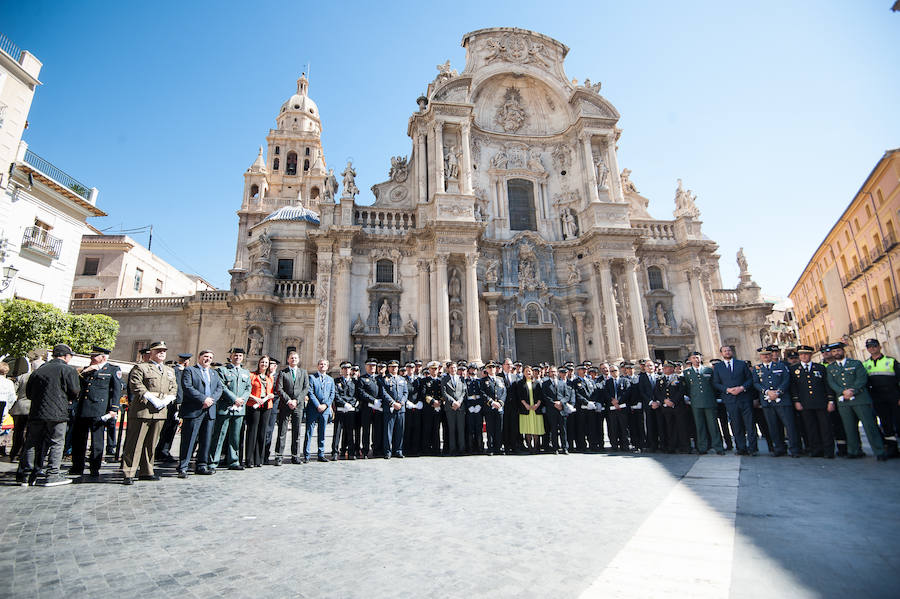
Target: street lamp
(9, 273)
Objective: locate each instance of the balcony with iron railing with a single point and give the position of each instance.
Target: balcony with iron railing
(881, 249)
(41, 241)
(8, 46)
(49, 169)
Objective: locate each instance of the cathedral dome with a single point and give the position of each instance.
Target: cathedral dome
(300, 101)
(294, 213)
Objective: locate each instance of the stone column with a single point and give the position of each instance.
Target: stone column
(579, 330)
(442, 300)
(439, 157)
(613, 342)
(424, 340)
(421, 165)
(599, 350)
(323, 295)
(617, 194)
(590, 169)
(473, 326)
(342, 309)
(638, 328)
(701, 315)
(492, 333)
(466, 166)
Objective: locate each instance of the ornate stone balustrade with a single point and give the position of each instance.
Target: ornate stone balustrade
(725, 297)
(213, 296)
(656, 229)
(128, 304)
(385, 221)
(295, 289)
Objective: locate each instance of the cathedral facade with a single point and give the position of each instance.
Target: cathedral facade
(508, 230)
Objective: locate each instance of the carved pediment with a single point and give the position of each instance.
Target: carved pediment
(513, 46)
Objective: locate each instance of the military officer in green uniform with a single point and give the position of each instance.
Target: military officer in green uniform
(230, 411)
(849, 380)
(151, 388)
(703, 404)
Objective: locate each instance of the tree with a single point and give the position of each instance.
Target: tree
(26, 326)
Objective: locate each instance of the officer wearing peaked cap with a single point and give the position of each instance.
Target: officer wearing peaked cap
(848, 378)
(813, 399)
(884, 376)
(101, 388)
(772, 380)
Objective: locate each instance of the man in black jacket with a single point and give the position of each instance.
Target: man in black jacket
(51, 389)
(101, 387)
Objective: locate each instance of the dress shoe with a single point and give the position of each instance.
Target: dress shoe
(720, 452)
(399, 455)
(321, 458)
(235, 467)
(151, 477)
(754, 453)
(182, 474)
(203, 471)
(296, 461)
(351, 457)
(881, 458)
(334, 457)
(387, 456)
(73, 472)
(128, 480)
(277, 462)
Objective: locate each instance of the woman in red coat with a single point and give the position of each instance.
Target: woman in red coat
(258, 406)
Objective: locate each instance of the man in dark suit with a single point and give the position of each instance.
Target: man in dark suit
(101, 387)
(367, 390)
(618, 392)
(813, 399)
(655, 437)
(163, 450)
(453, 390)
(292, 389)
(394, 393)
(560, 401)
(201, 389)
(733, 379)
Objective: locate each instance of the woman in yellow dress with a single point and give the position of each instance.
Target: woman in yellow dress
(528, 397)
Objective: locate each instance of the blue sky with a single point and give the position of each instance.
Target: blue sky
(773, 113)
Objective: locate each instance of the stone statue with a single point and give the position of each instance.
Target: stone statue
(602, 172)
(569, 225)
(410, 327)
(568, 342)
(384, 318)
(511, 115)
(534, 162)
(399, 169)
(255, 344)
(527, 274)
(455, 287)
(742, 262)
(331, 185)
(492, 272)
(358, 326)
(451, 163)
(685, 203)
(661, 319)
(574, 275)
(265, 246)
(349, 175)
(445, 73)
(455, 327)
(627, 185)
(500, 159)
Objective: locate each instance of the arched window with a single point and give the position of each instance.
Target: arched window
(307, 151)
(305, 165)
(532, 316)
(277, 150)
(656, 278)
(314, 193)
(521, 205)
(384, 271)
(254, 191)
(290, 167)
(275, 164)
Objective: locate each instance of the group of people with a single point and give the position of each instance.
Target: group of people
(230, 416)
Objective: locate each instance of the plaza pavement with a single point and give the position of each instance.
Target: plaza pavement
(527, 526)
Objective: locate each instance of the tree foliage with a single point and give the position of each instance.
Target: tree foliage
(26, 326)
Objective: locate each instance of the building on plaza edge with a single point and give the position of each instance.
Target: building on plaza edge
(508, 231)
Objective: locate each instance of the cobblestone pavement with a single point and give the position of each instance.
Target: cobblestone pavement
(524, 526)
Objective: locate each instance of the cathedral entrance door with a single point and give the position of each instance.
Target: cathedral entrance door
(383, 355)
(534, 346)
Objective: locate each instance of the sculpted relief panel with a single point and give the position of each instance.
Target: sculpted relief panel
(519, 106)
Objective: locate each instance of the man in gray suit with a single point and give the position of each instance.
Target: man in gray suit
(453, 388)
(291, 388)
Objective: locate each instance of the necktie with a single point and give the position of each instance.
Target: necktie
(730, 366)
(294, 374)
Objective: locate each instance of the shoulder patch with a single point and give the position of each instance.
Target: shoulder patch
(119, 373)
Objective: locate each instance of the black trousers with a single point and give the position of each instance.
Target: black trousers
(20, 425)
(474, 428)
(337, 431)
(431, 425)
(494, 425)
(656, 428)
(594, 428)
(617, 421)
(256, 420)
(412, 433)
(196, 432)
(512, 440)
(270, 429)
(349, 439)
(888, 413)
(819, 431)
(559, 438)
(84, 427)
(167, 436)
(678, 428)
(636, 427)
(760, 422)
(377, 432)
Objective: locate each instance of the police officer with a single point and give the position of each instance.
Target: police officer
(394, 394)
(772, 380)
(494, 394)
(884, 376)
(412, 426)
(476, 407)
(635, 409)
(367, 394)
(669, 394)
(164, 447)
(813, 399)
(577, 424)
(343, 434)
(101, 388)
(849, 380)
(559, 398)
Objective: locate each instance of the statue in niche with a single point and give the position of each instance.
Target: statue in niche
(265, 246)
(255, 342)
(574, 275)
(534, 161)
(527, 274)
(455, 287)
(661, 315)
(349, 175)
(569, 224)
(384, 318)
(568, 342)
(358, 325)
(500, 160)
(627, 184)
(602, 172)
(492, 272)
(511, 115)
(451, 163)
(455, 327)
(410, 327)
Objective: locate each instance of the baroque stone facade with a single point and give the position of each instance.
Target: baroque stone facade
(507, 232)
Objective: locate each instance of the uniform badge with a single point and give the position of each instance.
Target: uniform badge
(119, 373)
